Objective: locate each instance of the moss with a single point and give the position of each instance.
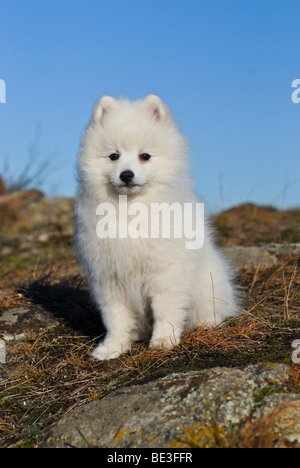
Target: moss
(265, 391)
(207, 434)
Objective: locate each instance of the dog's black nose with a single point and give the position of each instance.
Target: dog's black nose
(126, 176)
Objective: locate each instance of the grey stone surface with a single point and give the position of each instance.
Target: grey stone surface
(18, 321)
(204, 404)
(262, 257)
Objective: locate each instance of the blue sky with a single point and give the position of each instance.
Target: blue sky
(225, 68)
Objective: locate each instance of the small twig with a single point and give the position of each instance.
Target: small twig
(214, 303)
(288, 292)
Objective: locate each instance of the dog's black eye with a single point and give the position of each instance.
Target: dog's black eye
(145, 157)
(114, 156)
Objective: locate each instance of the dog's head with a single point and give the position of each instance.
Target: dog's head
(130, 147)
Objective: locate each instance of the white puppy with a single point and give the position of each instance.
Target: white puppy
(145, 286)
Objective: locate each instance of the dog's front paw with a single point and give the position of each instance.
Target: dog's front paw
(105, 352)
(164, 343)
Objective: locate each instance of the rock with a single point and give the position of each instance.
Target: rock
(216, 407)
(15, 322)
(45, 237)
(262, 257)
(281, 411)
(286, 250)
(6, 251)
(10, 317)
(250, 257)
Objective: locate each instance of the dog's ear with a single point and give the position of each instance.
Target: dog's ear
(156, 106)
(102, 107)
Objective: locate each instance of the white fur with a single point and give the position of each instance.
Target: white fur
(144, 287)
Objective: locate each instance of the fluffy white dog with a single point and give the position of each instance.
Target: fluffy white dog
(144, 286)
